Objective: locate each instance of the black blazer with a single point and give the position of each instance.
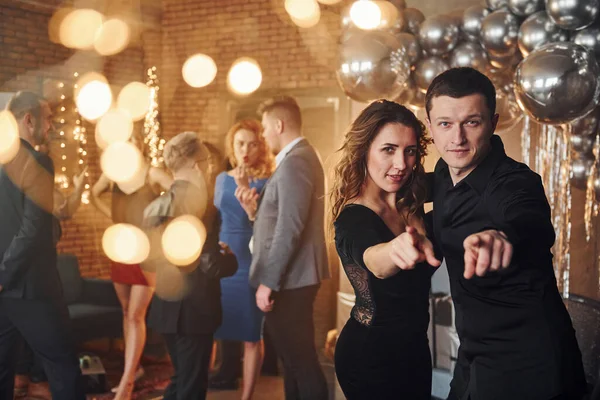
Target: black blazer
(187, 300)
(27, 251)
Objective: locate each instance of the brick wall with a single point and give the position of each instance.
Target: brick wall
(30, 61)
(290, 57)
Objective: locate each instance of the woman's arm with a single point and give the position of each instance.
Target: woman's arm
(401, 253)
(159, 177)
(101, 186)
(377, 259)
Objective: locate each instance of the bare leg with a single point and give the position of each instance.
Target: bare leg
(139, 300)
(123, 293)
(253, 358)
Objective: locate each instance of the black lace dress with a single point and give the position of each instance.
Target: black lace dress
(382, 352)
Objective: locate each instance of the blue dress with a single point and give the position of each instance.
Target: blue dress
(242, 319)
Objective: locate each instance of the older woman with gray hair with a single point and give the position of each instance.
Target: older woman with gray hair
(186, 307)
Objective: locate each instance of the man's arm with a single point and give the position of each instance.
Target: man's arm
(36, 222)
(295, 191)
(521, 218)
(65, 208)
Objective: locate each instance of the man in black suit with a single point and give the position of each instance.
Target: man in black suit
(31, 300)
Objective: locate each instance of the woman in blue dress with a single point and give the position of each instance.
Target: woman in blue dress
(252, 164)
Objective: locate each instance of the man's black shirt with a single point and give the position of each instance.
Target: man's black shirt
(517, 340)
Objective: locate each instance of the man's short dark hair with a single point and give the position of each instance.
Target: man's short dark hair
(461, 82)
(25, 102)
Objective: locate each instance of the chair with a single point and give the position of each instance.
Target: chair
(94, 308)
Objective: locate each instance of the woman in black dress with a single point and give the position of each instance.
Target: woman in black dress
(377, 201)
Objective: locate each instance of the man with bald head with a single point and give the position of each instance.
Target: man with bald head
(31, 299)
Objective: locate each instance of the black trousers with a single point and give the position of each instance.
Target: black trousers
(28, 364)
(291, 327)
(190, 355)
(45, 327)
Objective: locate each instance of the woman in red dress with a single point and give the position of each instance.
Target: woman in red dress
(133, 285)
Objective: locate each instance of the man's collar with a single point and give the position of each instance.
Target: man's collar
(480, 176)
(287, 148)
(27, 144)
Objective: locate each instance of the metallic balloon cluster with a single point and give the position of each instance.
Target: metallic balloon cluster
(541, 56)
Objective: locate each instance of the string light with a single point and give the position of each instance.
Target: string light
(69, 116)
(152, 137)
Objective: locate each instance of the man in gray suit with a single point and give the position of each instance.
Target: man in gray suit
(289, 254)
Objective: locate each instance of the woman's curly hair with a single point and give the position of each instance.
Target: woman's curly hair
(351, 171)
(265, 163)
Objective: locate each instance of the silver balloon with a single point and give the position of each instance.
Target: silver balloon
(496, 4)
(438, 35)
(400, 4)
(580, 171)
(427, 69)
(499, 33)
(456, 16)
(471, 23)
(408, 93)
(418, 101)
(573, 14)
(506, 62)
(523, 8)
(558, 83)
(371, 66)
(469, 54)
(410, 46)
(589, 38)
(583, 144)
(538, 30)
(413, 19)
(588, 125)
(508, 110)
(399, 24)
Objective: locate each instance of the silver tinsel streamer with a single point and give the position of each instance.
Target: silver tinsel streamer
(591, 206)
(526, 141)
(553, 163)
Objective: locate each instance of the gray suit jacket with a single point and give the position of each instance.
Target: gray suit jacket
(289, 249)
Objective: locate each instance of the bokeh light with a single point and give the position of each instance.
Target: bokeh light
(244, 76)
(135, 98)
(114, 126)
(9, 139)
(365, 14)
(183, 240)
(112, 37)
(121, 162)
(301, 9)
(78, 29)
(199, 70)
(329, 2)
(125, 243)
(304, 13)
(93, 96)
